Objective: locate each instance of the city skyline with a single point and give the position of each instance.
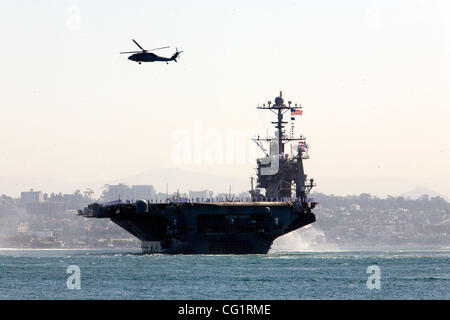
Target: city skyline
(126, 191)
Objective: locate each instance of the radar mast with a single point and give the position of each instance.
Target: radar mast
(278, 172)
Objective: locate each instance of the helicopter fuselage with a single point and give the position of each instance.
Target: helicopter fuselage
(147, 57)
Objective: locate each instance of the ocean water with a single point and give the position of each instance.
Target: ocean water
(118, 274)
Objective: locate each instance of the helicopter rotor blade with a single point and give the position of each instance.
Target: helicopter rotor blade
(138, 45)
(157, 48)
(130, 52)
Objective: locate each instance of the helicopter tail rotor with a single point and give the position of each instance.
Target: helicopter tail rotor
(175, 55)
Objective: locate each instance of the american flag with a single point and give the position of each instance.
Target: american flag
(302, 146)
(296, 112)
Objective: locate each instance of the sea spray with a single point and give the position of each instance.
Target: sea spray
(309, 238)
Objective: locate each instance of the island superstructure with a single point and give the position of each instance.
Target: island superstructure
(278, 205)
(279, 171)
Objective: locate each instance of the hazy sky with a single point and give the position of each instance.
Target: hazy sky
(373, 77)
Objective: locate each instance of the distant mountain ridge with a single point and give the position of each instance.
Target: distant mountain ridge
(420, 191)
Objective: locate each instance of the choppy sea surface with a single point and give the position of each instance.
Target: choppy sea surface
(119, 274)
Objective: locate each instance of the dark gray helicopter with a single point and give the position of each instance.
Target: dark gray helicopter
(147, 56)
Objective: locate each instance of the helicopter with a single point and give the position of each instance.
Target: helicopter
(147, 56)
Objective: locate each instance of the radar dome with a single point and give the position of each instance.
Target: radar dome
(279, 101)
(141, 206)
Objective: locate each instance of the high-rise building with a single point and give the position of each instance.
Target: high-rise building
(125, 192)
(143, 192)
(31, 197)
(118, 192)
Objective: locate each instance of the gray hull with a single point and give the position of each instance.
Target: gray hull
(206, 228)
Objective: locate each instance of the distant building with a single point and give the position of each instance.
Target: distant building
(41, 234)
(125, 192)
(47, 208)
(243, 195)
(203, 194)
(145, 192)
(31, 197)
(161, 197)
(118, 192)
(224, 197)
(22, 227)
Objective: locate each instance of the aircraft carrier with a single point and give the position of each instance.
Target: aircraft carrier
(277, 205)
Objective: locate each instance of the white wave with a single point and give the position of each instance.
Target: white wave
(306, 239)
